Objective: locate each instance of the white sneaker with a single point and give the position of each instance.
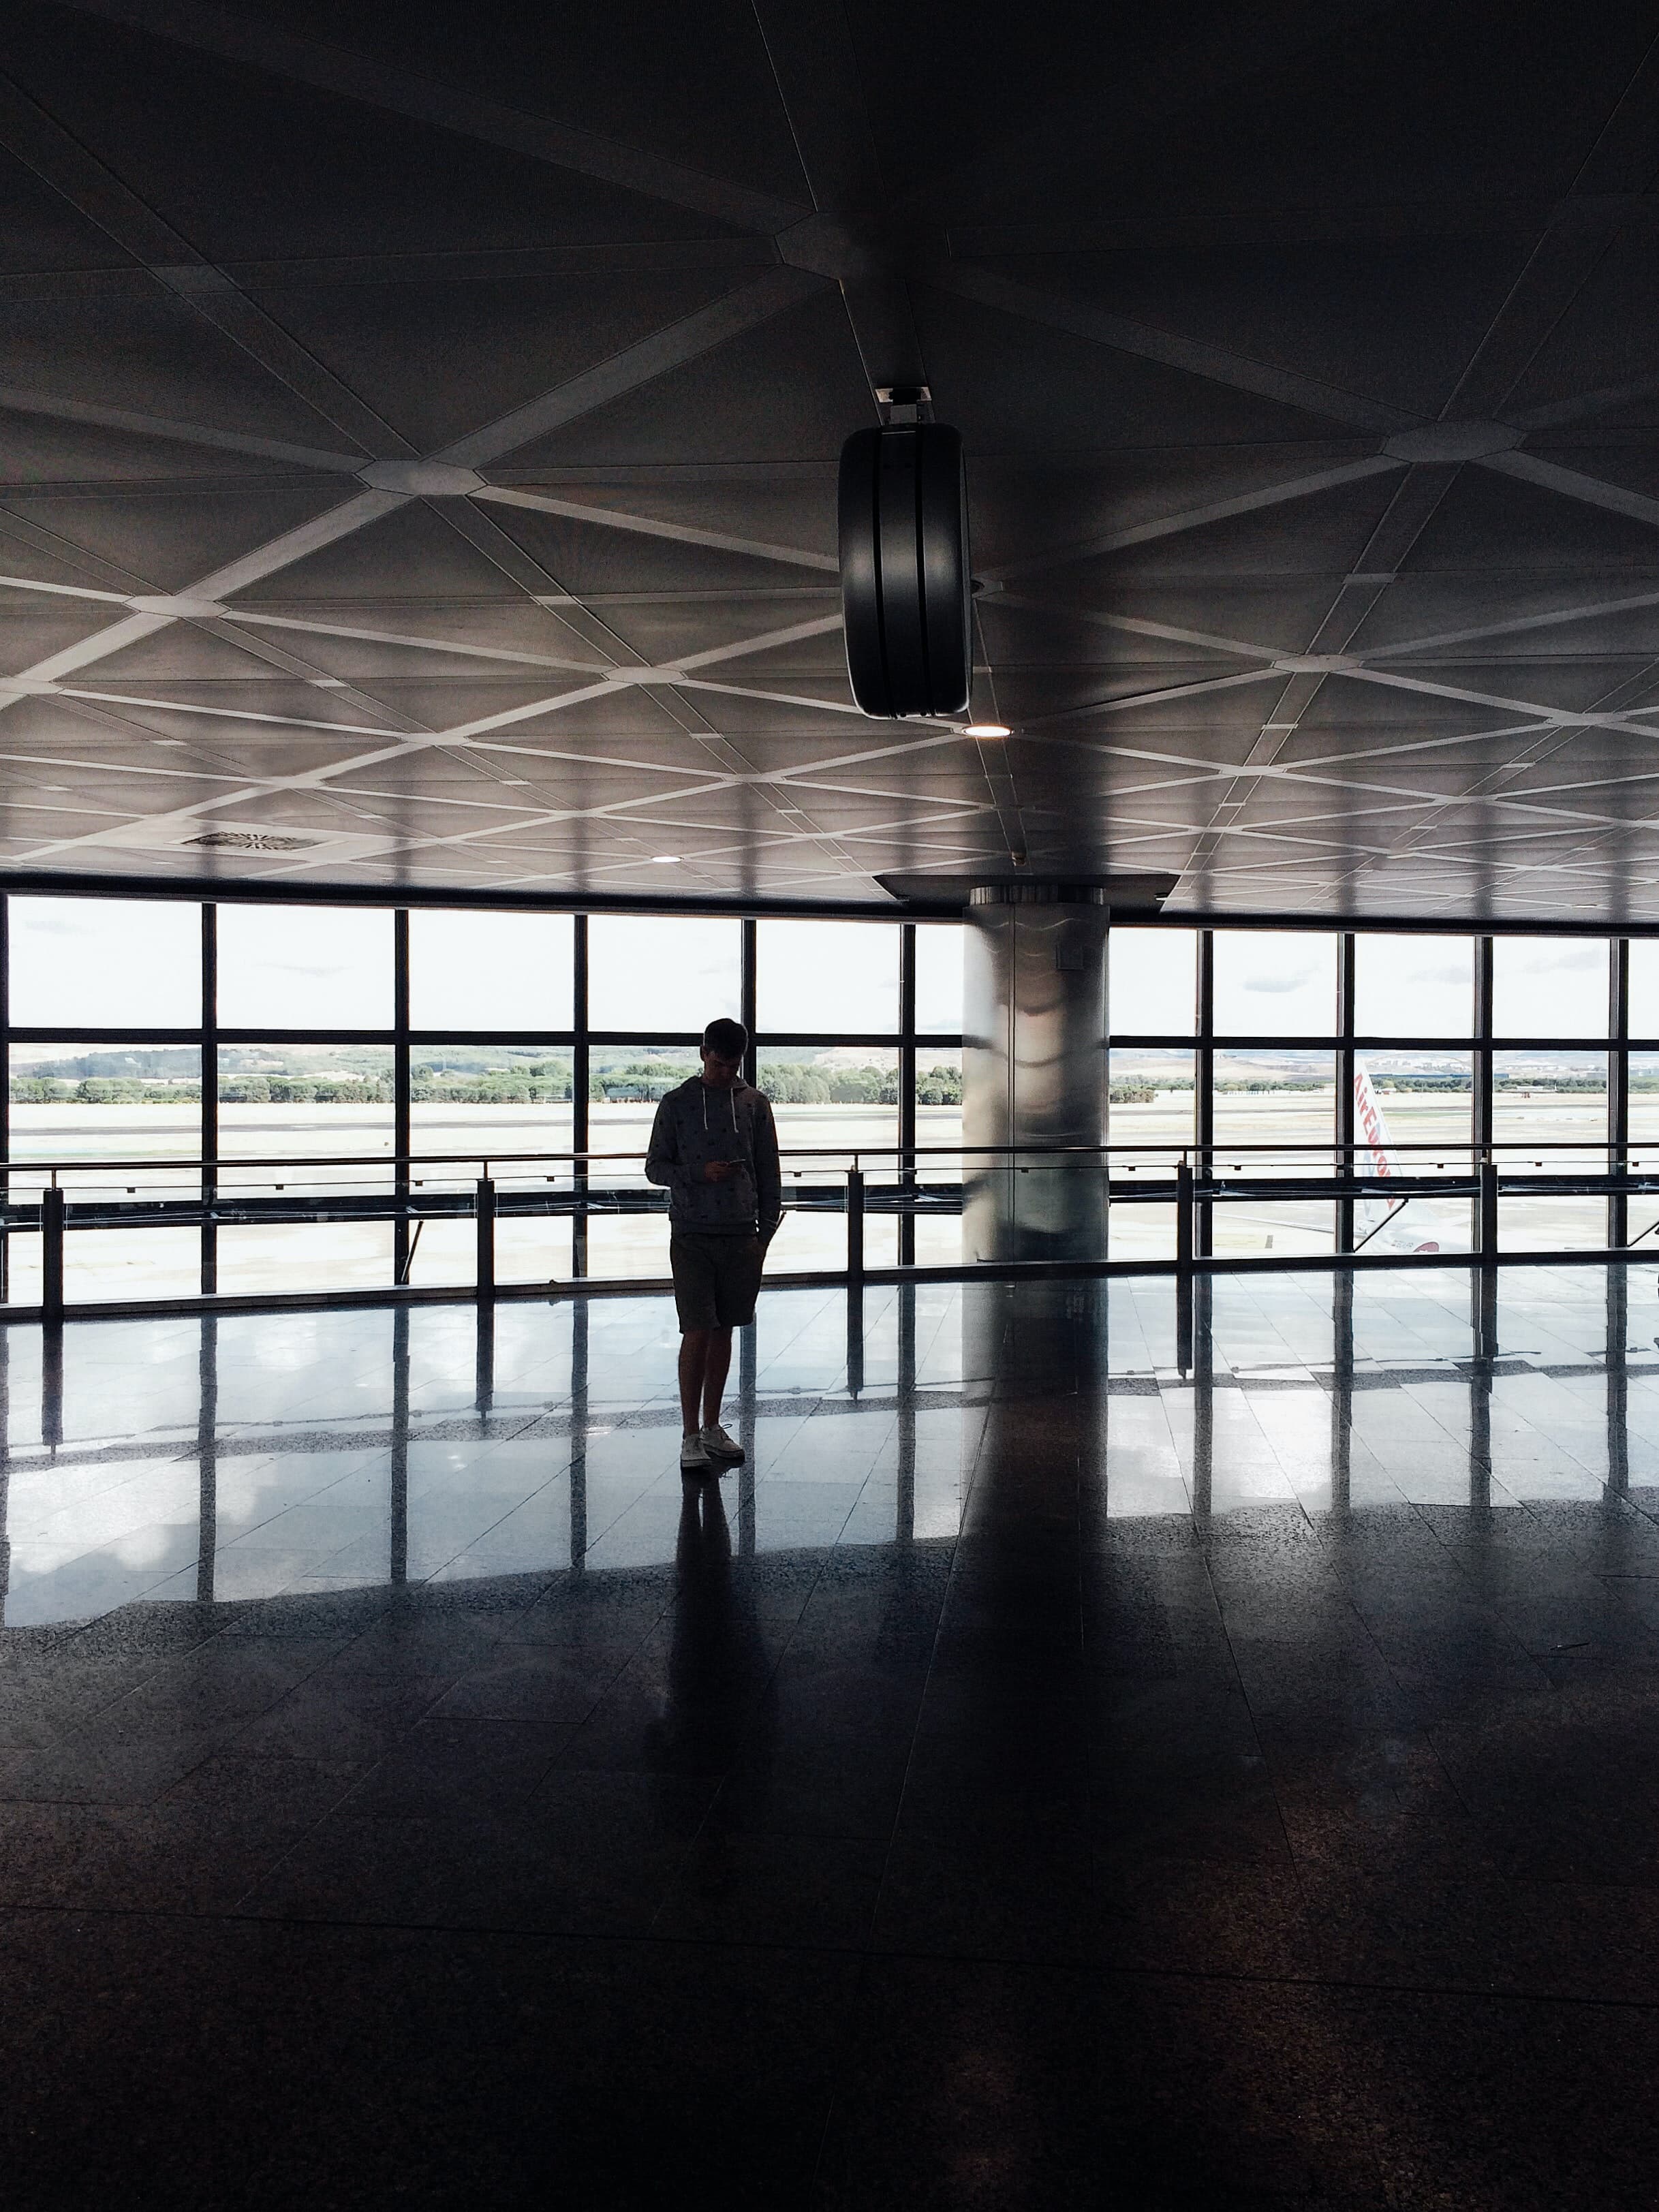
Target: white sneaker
(718, 1446)
(694, 1459)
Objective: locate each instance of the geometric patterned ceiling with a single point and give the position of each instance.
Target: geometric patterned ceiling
(420, 445)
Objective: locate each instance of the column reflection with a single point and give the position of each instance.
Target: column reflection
(578, 1435)
(1203, 1365)
(484, 1387)
(904, 1526)
(207, 1457)
(5, 1468)
(1618, 1379)
(746, 1365)
(52, 1387)
(1483, 1319)
(1341, 1390)
(399, 1472)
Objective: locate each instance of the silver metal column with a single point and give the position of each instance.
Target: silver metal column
(1033, 1069)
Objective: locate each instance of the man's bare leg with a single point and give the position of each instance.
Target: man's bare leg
(694, 1360)
(717, 1363)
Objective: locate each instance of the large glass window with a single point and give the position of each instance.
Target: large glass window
(1643, 1154)
(831, 1108)
(1269, 1107)
(113, 1119)
(656, 972)
(1413, 1115)
(288, 1115)
(936, 1231)
(305, 968)
(1643, 1001)
(1152, 1105)
(938, 980)
(92, 1102)
(628, 1232)
(1550, 1118)
(490, 971)
(938, 1096)
(307, 1079)
(1549, 987)
(1644, 1111)
(106, 963)
(499, 1099)
(827, 977)
(1274, 983)
(1413, 986)
(1153, 984)
(306, 1102)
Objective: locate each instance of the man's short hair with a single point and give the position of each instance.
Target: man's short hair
(726, 1037)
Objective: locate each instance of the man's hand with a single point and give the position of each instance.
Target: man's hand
(719, 1170)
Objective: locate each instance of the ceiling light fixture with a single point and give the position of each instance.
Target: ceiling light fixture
(664, 859)
(986, 730)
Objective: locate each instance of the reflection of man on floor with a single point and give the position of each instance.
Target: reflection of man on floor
(720, 1717)
(714, 1146)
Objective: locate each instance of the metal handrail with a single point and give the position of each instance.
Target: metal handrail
(223, 1202)
(1172, 1148)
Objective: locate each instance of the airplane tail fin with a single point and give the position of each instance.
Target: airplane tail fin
(1376, 1156)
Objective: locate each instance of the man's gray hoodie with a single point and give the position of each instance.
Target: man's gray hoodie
(696, 1124)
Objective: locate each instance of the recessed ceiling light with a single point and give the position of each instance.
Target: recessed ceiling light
(515, 779)
(166, 741)
(665, 859)
(986, 730)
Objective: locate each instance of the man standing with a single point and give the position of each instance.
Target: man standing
(714, 1145)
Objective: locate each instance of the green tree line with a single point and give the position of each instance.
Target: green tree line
(788, 1083)
(101, 1090)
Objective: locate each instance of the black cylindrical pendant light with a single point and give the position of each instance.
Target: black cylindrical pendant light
(905, 587)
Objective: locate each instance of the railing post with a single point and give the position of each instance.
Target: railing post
(856, 1226)
(1488, 1240)
(52, 1257)
(486, 1225)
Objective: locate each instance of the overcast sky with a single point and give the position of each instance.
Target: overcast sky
(109, 963)
(134, 963)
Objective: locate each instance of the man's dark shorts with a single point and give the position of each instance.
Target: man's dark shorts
(715, 1277)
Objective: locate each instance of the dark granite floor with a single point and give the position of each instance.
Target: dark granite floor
(1090, 1755)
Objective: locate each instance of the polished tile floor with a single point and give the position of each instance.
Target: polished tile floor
(1093, 1754)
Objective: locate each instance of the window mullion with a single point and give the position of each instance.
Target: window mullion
(402, 1127)
(580, 1076)
(208, 1063)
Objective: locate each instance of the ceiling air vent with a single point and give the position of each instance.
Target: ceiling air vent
(254, 841)
(194, 841)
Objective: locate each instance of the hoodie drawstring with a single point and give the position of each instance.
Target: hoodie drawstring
(731, 1102)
